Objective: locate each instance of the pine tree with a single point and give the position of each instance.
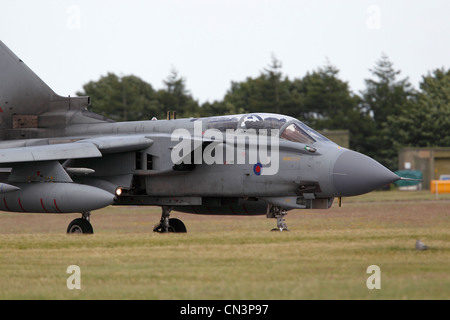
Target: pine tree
(385, 97)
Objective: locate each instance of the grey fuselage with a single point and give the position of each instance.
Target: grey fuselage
(58, 157)
(309, 175)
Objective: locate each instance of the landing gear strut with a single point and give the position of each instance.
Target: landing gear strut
(169, 224)
(278, 213)
(81, 225)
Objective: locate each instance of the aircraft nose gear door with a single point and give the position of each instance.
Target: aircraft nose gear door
(278, 213)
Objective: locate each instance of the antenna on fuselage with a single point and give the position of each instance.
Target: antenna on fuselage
(174, 115)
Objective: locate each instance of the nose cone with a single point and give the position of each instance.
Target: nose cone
(355, 174)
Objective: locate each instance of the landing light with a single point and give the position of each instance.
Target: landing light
(119, 191)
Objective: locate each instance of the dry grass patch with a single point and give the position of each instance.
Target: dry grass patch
(324, 256)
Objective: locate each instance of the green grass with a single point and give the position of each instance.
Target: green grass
(324, 256)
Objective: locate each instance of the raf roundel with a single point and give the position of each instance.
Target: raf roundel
(257, 169)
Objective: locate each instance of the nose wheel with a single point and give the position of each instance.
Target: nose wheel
(279, 214)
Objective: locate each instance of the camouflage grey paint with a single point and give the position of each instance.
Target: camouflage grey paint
(355, 173)
(56, 147)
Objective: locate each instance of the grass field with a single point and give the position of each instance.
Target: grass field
(324, 256)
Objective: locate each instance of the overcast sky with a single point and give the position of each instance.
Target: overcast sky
(213, 42)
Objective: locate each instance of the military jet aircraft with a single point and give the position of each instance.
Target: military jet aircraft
(58, 157)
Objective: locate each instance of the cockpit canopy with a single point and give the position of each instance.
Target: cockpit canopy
(288, 128)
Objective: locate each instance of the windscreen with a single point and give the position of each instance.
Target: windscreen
(294, 133)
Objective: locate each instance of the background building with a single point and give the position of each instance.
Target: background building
(432, 162)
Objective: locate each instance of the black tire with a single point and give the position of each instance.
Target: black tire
(80, 226)
(177, 225)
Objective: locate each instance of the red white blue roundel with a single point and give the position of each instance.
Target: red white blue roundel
(257, 168)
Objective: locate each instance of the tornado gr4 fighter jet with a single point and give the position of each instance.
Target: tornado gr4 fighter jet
(58, 157)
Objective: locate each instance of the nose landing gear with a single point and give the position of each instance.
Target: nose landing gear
(278, 213)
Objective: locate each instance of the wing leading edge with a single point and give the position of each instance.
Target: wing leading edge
(87, 148)
(49, 152)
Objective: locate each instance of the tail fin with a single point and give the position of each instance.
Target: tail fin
(28, 106)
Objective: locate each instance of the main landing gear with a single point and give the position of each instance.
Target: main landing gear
(169, 224)
(278, 213)
(81, 225)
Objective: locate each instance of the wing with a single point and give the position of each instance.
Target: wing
(38, 180)
(49, 152)
(81, 149)
(43, 163)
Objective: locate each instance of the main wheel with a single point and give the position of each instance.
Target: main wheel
(177, 225)
(80, 226)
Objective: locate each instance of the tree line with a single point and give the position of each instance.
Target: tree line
(387, 115)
